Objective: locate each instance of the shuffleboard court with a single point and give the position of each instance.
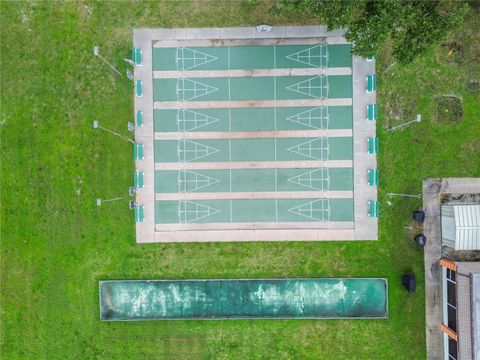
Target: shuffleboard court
(311, 298)
(252, 138)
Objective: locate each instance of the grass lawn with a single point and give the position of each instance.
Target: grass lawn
(56, 244)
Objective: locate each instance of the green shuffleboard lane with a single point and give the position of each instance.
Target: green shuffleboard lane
(252, 57)
(253, 119)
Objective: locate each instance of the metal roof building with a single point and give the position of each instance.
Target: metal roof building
(461, 226)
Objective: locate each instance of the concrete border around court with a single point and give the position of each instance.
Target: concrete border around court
(365, 228)
(432, 194)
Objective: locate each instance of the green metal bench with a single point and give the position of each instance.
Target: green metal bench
(139, 213)
(138, 88)
(137, 56)
(373, 208)
(371, 83)
(372, 145)
(372, 112)
(373, 177)
(138, 151)
(139, 119)
(138, 179)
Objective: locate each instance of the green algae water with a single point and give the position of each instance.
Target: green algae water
(309, 298)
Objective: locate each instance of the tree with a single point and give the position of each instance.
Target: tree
(412, 25)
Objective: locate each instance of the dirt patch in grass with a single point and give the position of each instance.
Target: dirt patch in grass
(453, 52)
(472, 85)
(399, 109)
(448, 109)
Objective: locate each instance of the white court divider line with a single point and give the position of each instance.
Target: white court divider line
(299, 164)
(192, 196)
(280, 134)
(236, 73)
(225, 104)
(307, 224)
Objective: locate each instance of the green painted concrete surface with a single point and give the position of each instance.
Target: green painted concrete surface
(253, 88)
(253, 180)
(287, 149)
(253, 210)
(252, 57)
(253, 119)
(317, 298)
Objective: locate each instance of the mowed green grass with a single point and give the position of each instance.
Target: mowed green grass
(56, 244)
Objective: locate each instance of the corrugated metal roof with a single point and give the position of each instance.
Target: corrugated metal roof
(467, 227)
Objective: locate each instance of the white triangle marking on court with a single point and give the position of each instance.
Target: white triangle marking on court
(188, 120)
(190, 89)
(316, 149)
(187, 209)
(316, 56)
(318, 179)
(312, 211)
(316, 87)
(188, 150)
(188, 58)
(189, 181)
(315, 118)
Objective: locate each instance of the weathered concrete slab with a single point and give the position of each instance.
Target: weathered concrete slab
(366, 228)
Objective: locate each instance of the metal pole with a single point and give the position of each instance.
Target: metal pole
(405, 195)
(113, 199)
(96, 52)
(97, 126)
(418, 119)
(100, 201)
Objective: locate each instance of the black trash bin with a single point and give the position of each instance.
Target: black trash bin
(420, 240)
(418, 216)
(409, 282)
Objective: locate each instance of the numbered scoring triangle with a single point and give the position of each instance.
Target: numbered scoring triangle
(316, 87)
(190, 211)
(191, 180)
(316, 210)
(188, 120)
(188, 58)
(316, 118)
(316, 56)
(188, 150)
(315, 149)
(188, 89)
(317, 179)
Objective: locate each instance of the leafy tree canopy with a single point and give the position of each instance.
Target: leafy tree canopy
(412, 25)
